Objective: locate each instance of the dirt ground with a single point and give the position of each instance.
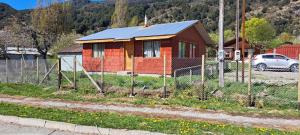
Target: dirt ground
(268, 77)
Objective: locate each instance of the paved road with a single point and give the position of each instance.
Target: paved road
(11, 129)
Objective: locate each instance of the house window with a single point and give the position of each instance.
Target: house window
(151, 49)
(181, 50)
(98, 50)
(192, 50)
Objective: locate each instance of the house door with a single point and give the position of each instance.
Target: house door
(129, 51)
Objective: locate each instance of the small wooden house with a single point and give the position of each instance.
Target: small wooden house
(230, 47)
(182, 43)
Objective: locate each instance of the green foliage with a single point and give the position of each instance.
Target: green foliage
(286, 37)
(259, 32)
(134, 21)
(228, 34)
(64, 41)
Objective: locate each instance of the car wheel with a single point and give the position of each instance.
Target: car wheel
(261, 67)
(294, 68)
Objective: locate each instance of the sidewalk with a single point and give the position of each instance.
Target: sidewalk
(30, 126)
(278, 123)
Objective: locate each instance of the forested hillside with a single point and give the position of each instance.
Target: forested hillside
(90, 16)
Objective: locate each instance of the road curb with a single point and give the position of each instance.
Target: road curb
(71, 127)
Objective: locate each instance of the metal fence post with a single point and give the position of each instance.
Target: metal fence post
(6, 69)
(75, 73)
(165, 87)
(250, 98)
(37, 70)
(132, 77)
(299, 87)
(202, 76)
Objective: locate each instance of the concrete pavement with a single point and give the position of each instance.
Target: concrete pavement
(13, 129)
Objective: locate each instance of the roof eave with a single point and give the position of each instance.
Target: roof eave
(100, 41)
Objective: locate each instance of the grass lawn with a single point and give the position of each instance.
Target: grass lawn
(177, 99)
(118, 121)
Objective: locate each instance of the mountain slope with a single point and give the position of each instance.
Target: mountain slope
(89, 17)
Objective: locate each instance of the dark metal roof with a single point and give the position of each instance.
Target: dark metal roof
(76, 48)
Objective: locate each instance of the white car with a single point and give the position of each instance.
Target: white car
(263, 62)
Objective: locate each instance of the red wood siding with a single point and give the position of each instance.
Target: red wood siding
(188, 36)
(153, 65)
(115, 61)
(113, 58)
(292, 51)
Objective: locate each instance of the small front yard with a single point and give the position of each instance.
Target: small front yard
(183, 98)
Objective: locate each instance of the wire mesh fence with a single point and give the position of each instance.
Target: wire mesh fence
(163, 77)
(34, 71)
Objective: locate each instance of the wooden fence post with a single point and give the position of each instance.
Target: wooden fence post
(59, 76)
(191, 74)
(299, 87)
(102, 73)
(202, 76)
(22, 77)
(6, 69)
(250, 98)
(165, 65)
(75, 73)
(175, 79)
(132, 77)
(37, 70)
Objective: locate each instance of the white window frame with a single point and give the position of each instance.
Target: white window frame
(151, 49)
(181, 49)
(98, 50)
(192, 50)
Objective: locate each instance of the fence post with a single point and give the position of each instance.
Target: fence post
(59, 73)
(175, 79)
(22, 78)
(102, 73)
(37, 70)
(165, 87)
(6, 69)
(202, 76)
(75, 73)
(299, 87)
(132, 77)
(191, 74)
(250, 98)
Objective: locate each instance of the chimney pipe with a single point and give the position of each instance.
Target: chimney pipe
(146, 21)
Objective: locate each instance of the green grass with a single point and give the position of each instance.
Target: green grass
(184, 98)
(118, 121)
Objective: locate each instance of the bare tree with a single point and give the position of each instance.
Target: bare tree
(49, 20)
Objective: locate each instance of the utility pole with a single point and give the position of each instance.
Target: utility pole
(244, 37)
(221, 43)
(237, 37)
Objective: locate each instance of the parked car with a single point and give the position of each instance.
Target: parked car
(263, 62)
